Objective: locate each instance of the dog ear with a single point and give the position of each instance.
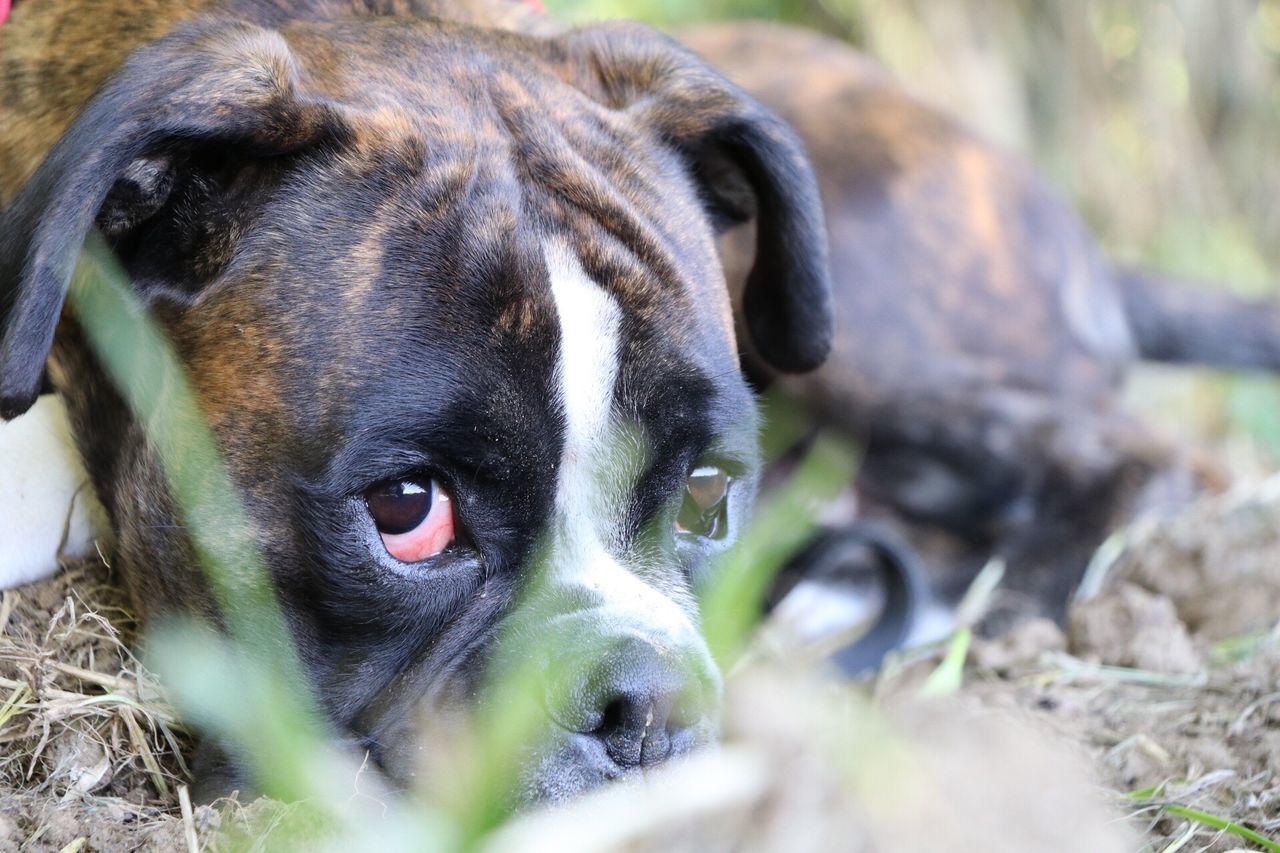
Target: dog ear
(208, 86)
(749, 164)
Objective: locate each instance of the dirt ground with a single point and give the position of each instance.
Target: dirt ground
(1164, 692)
(1171, 676)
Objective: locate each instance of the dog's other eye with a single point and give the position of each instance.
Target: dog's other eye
(414, 518)
(703, 512)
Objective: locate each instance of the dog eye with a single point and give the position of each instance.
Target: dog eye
(703, 512)
(415, 519)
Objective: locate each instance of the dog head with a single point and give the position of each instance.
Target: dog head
(449, 301)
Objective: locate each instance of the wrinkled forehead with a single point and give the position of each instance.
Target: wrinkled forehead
(473, 155)
(430, 243)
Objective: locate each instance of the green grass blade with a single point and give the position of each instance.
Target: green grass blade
(1226, 825)
(949, 675)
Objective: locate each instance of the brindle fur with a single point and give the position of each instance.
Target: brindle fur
(981, 337)
(335, 210)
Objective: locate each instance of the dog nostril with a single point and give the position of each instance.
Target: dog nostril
(634, 730)
(646, 724)
(640, 701)
(611, 719)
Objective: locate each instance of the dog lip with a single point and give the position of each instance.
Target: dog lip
(16, 403)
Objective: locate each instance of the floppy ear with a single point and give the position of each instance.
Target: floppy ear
(214, 85)
(729, 139)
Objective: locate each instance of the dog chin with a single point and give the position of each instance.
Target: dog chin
(578, 763)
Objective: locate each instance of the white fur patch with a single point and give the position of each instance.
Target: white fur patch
(591, 490)
(588, 371)
(47, 507)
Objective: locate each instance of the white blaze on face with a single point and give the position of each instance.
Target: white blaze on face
(590, 499)
(588, 371)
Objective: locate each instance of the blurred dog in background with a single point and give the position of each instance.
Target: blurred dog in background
(982, 338)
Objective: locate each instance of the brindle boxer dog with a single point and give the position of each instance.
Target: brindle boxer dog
(428, 266)
(981, 337)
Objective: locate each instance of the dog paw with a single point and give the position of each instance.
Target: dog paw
(47, 507)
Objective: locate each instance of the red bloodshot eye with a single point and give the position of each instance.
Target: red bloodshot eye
(414, 518)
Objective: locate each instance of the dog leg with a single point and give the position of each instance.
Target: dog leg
(47, 507)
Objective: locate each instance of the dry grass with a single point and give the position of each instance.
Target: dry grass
(83, 726)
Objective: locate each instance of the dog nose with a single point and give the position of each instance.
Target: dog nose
(643, 701)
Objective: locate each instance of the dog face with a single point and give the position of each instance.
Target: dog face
(450, 303)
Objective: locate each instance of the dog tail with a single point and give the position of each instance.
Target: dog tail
(835, 555)
(1178, 322)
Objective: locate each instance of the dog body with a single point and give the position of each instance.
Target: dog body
(405, 254)
(981, 336)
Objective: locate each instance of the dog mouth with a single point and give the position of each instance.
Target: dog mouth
(599, 696)
(554, 764)
(559, 766)
(576, 763)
